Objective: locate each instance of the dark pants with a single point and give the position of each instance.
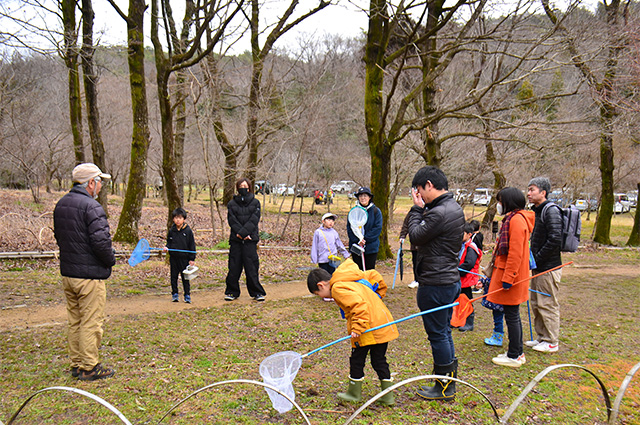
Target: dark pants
(327, 266)
(178, 264)
(436, 324)
(369, 260)
(378, 361)
(243, 255)
(514, 328)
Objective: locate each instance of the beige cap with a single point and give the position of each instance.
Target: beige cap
(85, 172)
(329, 215)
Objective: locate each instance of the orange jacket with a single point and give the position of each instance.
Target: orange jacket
(362, 307)
(513, 267)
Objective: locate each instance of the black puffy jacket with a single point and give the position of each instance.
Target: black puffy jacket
(437, 231)
(243, 215)
(546, 238)
(82, 232)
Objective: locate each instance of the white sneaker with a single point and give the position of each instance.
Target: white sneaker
(532, 343)
(546, 347)
(503, 360)
(414, 284)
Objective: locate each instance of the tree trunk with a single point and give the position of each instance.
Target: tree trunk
(132, 207)
(71, 61)
(254, 94)
(90, 79)
(181, 128)
(634, 238)
(379, 146)
(499, 182)
(429, 60)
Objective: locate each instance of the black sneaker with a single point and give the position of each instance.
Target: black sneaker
(98, 372)
(229, 297)
(259, 298)
(75, 372)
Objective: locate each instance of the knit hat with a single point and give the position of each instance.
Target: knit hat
(542, 183)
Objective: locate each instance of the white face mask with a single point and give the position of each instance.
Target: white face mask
(499, 209)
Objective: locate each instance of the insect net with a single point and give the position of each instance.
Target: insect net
(140, 253)
(279, 370)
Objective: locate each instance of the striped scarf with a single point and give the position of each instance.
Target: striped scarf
(502, 245)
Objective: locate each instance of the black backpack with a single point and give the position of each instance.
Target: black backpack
(571, 226)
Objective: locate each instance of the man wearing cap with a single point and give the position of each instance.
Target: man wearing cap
(327, 246)
(86, 257)
(371, 231)
(546, 239)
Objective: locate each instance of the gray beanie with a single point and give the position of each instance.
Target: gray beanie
(541, 183)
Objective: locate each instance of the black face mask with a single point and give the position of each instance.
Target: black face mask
(243, 191)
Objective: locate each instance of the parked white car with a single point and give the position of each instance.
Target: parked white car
(621, 203)
(284, 190)
(482, 196)
(344, 186)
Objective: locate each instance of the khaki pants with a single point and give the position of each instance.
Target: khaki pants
(546, 310)
(86, 299)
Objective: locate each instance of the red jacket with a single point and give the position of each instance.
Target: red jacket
(470, 279)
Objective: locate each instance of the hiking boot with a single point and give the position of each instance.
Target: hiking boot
(546, 347)
(354, 392)
(259, 298)
(75, 371)
(229, 297)
(495, 340)
(532, 343)
(468, 326)
(98, 372)
(387, 399)
(444, 389)
(174, 298)
(187, 299)
(503, 360)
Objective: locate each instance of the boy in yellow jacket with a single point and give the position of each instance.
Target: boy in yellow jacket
(359, 295)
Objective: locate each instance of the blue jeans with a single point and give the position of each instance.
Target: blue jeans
(436, 324)
(498, 317)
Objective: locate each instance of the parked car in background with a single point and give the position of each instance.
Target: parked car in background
(586, 203)
(633, 198)
(462, 196)
(582, 204)
(284, 190)
(621, 203)
(305, 189)
(482, 196)
(262, 187)
(344, 186)
(560, 198)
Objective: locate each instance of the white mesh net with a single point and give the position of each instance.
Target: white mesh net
(280, 370)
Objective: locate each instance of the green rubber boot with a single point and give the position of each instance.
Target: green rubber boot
(387, 399)
(354, 392)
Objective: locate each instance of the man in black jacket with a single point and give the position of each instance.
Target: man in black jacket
(436, 227)
(86, 257)
(546, 239)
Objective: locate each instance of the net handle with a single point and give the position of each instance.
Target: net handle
(442, 307)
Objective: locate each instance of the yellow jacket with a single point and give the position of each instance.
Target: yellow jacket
(362, 307)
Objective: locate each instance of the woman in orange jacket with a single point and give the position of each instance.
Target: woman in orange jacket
(510, 265)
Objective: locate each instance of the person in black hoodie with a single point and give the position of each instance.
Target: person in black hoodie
(180, 240)
(86, 257)
(243, 215)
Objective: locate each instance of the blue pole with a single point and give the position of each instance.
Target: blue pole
(395, 274)
(530, 329)
(442, 307)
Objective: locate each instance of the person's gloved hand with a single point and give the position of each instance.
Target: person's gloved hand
(506, 285)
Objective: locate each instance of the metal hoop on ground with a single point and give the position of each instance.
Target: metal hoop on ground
(541, 375)
(77, 391)
(236, 381)
(621, 391)
(419, 378)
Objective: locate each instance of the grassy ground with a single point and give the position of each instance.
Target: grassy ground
(163, 357)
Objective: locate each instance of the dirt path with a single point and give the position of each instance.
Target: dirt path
(24, 317)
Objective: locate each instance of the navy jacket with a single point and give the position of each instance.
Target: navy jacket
(372, 230)
(82, 232)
